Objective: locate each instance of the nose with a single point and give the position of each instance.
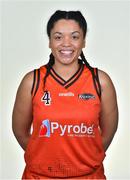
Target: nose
(66, 41)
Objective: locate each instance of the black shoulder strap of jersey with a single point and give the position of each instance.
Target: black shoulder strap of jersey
(96, 81)
(36, 81)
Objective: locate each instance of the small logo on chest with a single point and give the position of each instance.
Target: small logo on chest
(86, 96)
(66, 94)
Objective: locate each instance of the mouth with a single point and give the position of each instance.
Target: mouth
(66, 52)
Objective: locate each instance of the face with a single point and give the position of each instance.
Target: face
(66, 41)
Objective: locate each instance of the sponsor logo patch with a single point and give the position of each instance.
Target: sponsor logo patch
(86, 96)
(49, 128)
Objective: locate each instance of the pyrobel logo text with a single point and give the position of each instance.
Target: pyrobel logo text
(48, 128)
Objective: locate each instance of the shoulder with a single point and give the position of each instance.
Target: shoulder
(32, 78)
(107, 86)
(26, 83)
(28, 78)
(104, 78)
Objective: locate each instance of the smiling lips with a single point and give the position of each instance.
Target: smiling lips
(66, 52)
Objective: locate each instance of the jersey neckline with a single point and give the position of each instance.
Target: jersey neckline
(71, 80)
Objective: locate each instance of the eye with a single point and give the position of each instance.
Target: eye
(57, 38)
(75, 37)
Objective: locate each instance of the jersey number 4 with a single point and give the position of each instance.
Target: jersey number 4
(46, 98)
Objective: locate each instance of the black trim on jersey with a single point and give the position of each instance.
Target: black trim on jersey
(75, 78)
(67, 82)
(58, 75)
(81, 65)
(96, 82)
(38, 81)
(34, 79)
(56, 79)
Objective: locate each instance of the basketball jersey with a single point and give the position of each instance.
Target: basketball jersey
(66, 140)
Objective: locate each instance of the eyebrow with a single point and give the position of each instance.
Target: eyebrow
(76, 32)
(60, 33)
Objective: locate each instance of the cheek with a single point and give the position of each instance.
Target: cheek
(79, 46)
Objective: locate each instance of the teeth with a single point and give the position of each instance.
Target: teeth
(66, 52)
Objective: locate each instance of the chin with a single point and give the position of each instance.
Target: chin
(67, 61)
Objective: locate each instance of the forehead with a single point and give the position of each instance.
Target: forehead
(66, 25)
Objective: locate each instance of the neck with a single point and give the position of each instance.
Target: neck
(66, 71)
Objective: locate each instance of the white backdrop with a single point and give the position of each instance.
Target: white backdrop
(25, 47)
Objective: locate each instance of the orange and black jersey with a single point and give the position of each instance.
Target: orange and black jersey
(66, 140)
(69, 82)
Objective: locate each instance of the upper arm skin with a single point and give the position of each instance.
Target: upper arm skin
(22, 111)
(109, 109)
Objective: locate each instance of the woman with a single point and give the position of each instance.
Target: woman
(72, 107)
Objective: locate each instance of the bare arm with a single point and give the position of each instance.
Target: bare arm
(22, 112)
(109, 110)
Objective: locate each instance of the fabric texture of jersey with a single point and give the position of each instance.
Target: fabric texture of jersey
(66, 140)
